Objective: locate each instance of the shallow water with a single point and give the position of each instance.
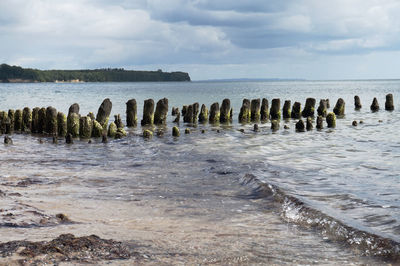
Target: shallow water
(348, 175)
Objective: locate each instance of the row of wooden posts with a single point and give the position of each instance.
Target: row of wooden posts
(49, 121)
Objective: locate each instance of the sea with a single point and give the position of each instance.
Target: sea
(328, 196)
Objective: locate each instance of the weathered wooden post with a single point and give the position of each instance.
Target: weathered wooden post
(10, 124)
(245, 112)
(191, 113)
(51, 120)
(214, 113)
(118, 121)
(357, 103)
(275, 111)
(264, 110)
(42, 120)
(375, 105)
(339, 108)
(175, 131)
(389, 106)
(72, 120)
(309, 108)
(3, 121)
(26, 120)
(309, 125)
(320, 122)
(286, 113)
(97, 131)
(85, 127)
(18, 120)
(296, 110)
(160, 116)
(225, 111)
(184, 110)
(255, 106)
(131, 113)
(74, 108)
(147, 134)
(274, 125)
(103, 114)
(112, 130)
(148, 112)
(61, 124)
(177, 117)
(331, 120)
(203, 116)
(322, 108)
(300, 127)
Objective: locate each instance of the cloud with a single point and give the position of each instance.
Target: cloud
(234, 35)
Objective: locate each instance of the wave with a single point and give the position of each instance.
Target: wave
(296, 211)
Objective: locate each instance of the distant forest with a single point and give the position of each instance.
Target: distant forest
(18, 74)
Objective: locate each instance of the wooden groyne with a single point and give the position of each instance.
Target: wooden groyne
(52, 123)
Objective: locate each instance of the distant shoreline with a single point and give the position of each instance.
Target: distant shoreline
(17, 74)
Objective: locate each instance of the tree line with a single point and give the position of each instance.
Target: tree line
(11, 73)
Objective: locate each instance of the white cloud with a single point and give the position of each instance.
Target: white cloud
(238, 35)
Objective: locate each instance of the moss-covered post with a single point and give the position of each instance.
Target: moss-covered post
(131, 113)
(264, 110)
(148, 112)
(112, 130)
(175, 131)
(389, 106)
(375, 105)
(274, 125)
(328, 105)
(61, 124)
(177, 117)
(118, 121)
(85, 127)
(196, 109)
(147, 134)
(184, 110)
(73, 125)
(160, 115)
(18, 120)
(296, 110)
(339, 108)
(245, 112)
(174, 111)
(320, 122)
(51, 121)
(322, 109)
(35, 120)
(331, 120)
(103, 114)
(74, 108)
(3, 121)
(357, 103)
(309, 108)
(10, 124)
(214, 113)
(309, 124)
(26, 120)
(225, 111)
(41, 120)
(286, 113)
(255, 108)
(188, 117)
(300, 127)
(275, 111)
(203, 116)
(97, 131)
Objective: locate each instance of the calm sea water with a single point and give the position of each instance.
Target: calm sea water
(342, 182)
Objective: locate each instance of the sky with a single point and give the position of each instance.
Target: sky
(209, 39)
